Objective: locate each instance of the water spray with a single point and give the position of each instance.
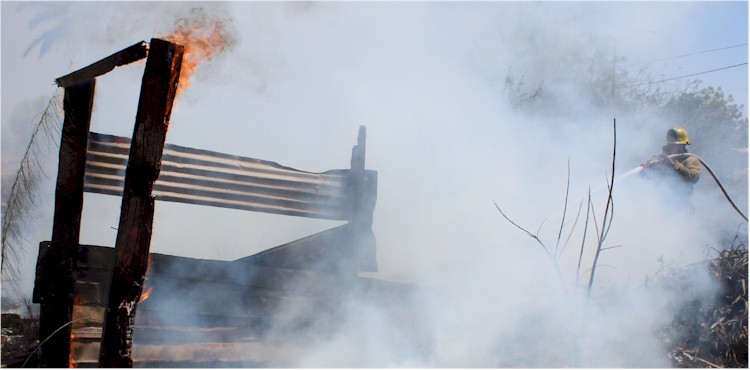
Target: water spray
(716, 179)
(641, 167)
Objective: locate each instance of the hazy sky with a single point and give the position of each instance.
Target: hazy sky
(424, 77)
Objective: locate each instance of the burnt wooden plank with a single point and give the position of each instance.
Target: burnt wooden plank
(271, 355)
(300, 250)
(95, 264)
(158, 90)
(237, 355)
(205, 297)
(87, 317)
(306, 252)
(53, 287)
(126, 56)
(168, 335)
(156, 318)
(272, 278)
(171, 296)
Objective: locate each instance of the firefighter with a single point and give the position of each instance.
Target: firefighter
(674, 164)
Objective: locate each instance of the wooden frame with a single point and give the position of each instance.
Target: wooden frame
(90, 163)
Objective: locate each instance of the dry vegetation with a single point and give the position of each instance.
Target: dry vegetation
(711, 331)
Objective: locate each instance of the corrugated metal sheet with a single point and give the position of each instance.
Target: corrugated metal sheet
(210, 178)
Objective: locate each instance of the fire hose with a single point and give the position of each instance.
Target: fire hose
(716, 179)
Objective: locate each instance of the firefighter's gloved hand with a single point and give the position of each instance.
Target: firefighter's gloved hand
(655, 160)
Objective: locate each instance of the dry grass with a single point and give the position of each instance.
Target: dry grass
(712, 331)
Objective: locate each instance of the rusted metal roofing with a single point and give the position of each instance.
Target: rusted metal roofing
(205, 177)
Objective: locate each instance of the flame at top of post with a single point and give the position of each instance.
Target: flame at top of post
(202, 40)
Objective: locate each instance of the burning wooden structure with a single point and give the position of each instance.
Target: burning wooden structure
(204, 312)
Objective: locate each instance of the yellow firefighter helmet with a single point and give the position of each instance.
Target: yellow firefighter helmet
(678, 135)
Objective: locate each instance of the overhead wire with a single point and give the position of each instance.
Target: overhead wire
(690, 75)
(687, 55)
(684, 55)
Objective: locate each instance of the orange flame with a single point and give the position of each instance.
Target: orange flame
(202, 40)
(71, 355)
(75, 317)
(146, 293)
(148, 289)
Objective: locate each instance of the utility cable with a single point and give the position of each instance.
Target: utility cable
(690, 75)
(684, 55)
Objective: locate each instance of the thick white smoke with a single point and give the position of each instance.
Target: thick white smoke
(428, 81)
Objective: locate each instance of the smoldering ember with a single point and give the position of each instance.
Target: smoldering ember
(319, 300)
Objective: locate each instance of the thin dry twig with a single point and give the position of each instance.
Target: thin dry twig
(565, 210)
(539, 241)
(529, 233)
(707, 362)
(583, 239)
(50, 336)
(572, 228)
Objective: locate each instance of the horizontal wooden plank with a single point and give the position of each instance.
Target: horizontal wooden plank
(306, 251)
(87, 315)
(95, 261)
(168, 335)
(155, 318)
(202, 177)
(126, 56)
(252, 353)
(94, 264)
(171, 296)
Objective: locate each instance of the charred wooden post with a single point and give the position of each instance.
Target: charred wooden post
(54, 286)
(133, 241)
(363, 205)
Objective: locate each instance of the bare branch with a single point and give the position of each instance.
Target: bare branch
(565, 210)
(572, 228)
(533, 236)
(583, 240)
(607, 211)
(539, 241)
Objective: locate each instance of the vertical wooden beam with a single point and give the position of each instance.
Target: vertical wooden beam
(363, 240)
(158, 90)
(55, 290)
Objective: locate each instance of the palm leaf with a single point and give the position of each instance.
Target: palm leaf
(21, 202)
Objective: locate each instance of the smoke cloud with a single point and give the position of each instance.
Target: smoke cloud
(465, 105)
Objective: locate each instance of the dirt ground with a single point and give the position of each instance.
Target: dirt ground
(19, 338)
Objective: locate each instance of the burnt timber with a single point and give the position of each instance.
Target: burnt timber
(219, 313)
(57, 284)
(133, 242)
(92, 292)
